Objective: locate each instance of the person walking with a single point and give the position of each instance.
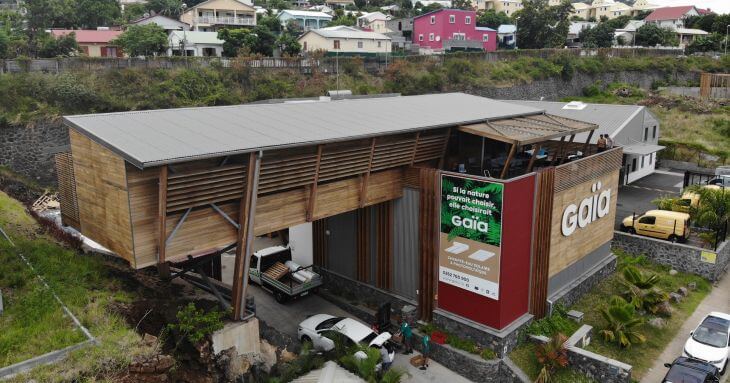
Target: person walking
(405, 329)
(426, 344)
(601, 144)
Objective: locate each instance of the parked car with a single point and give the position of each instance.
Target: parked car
(320, 328)
(710, 341)
(688, 370)
(274, 270)
(663, 224)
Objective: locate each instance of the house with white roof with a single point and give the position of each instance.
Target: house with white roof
(374, 21)
(507, 35)
(195, 44)
(168, 24)
(632, 127)
(344, 40)
(305, 20)
(213, 15)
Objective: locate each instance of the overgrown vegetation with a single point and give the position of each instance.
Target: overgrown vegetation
(459, 343)
(524, 357)
(556, 323)
(195, 324)
(28, 97)
(33, 322)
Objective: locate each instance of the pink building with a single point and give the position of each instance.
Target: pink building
(448, 29)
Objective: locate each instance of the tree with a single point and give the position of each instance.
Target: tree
(618, 22)
(45, 14)
(288, 44)
(641, 15)
(133, 12)
(649, 35)
(640, 290)
(4, 44)
(50, 46)
(553, 356)
(143, 40)
(713, 210)
(492, 19)
(621, 323)
(97, 13)
(170, 8)
(710, 43)
(259, 40)
(462, 4)
(271, 22)
(600, 36)
(542, 26)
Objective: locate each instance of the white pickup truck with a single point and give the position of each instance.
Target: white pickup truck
(274, 270)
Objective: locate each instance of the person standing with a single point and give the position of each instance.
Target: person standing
(609, 142)
(426, 344)
(601, 144)
(405, 329)
(385, 359)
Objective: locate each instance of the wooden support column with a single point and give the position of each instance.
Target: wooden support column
(313, 191)
(244, 237)
(511, 154)
(415, 147)
(446, 146)
(588, 142)
(362, 244)
(428, 239)
(384, 243)
(319, 242)
(541, 242)
(535, 152)
(366, 177)
(558, 151)
(162, 266)
(562, 159)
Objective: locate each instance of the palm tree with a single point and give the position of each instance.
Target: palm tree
(713, 210)
(621, 322)
(553, 356)
(641, 291)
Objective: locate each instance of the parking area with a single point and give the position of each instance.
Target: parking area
(637, 197)
(287, 316)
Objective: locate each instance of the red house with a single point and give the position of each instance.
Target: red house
(92, 42)
(452, 29)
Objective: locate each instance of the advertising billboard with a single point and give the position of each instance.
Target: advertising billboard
(470, 238)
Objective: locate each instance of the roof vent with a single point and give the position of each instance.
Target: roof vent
(575, 105)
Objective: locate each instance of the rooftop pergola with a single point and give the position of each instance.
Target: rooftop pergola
(528, 130)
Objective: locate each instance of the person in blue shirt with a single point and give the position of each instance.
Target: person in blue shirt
(405, 329)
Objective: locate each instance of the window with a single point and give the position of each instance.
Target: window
(420, 37)
(336, 44)
(467, 20)
(642, 161)
(633, 165)
(379, 44)
(646, 133)
(359, 44)
(653, 132)
(647, 219)
(459, 36)
(485, 37)
(433, 19)
(304, 46)
(651, 159)
(430, 37)
(452, 19)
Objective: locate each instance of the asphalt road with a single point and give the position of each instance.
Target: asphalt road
(637, 197)
(717, 300)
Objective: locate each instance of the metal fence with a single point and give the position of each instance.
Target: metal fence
(373, 64)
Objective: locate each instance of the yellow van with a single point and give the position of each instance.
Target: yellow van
(664, 224)
(690, 200)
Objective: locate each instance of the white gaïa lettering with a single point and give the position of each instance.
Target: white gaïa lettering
(589, 210)
(470, 223)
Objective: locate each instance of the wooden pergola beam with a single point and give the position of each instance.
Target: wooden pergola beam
(244, 237)
(162, 221)
(415, 147)
(313, 191)
(570, 141)
(511, 154)
(558, 151)
(446, 146)
(535, 152)
(366, 176)
(588, 142)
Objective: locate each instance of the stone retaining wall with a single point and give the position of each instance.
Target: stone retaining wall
(597, 367)
(570, 294)
(501, 342)
(676, 255)
(29, 150)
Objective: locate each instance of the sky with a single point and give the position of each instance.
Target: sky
(717, 6)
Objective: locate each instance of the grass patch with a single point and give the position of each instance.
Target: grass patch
(688, 133)
(641, 356)
(524, 358)
(460, 343)
(34, 324)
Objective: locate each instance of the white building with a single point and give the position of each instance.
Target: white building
(375, 21)
(345, 40)
(507, 35)
(306, 20)
(195, 44)
(165, 22)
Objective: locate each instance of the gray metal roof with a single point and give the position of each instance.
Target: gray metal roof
(642, 149)
(156, 137)
(610, 118)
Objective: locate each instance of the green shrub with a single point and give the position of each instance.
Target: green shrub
(621, 323)
(195, 324)
(557, 323)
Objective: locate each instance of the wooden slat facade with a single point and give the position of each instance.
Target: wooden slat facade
(102, 195)
(67, 190)
(541, 243)
(384, 245)
(428, 233)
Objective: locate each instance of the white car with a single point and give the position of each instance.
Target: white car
(710, 341)
(317, 328)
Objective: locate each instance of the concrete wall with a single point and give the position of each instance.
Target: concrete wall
(597, 367)
(678, 256)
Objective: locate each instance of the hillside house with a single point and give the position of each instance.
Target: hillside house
(374, 21)
(305, 20)
(452, 29)
(213, 15)
(345, 40)
(165, 22)
(671, 17)
(93, 43)
(507, 34)
(195, 44)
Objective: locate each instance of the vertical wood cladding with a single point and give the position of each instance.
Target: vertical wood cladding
(427, 234)
(384, 245)
(362, 245)
(319, 242)
(101, 191)
(541, 242)
(67, 190)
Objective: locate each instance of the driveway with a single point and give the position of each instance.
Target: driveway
(637, 197)
(717, 300)
(286, 318)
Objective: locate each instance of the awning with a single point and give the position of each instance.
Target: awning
(521, 131)
(642, 149)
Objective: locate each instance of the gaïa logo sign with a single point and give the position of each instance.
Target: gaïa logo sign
(589, 210)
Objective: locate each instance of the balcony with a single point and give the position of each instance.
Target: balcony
(227, 20)
(457, 44)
